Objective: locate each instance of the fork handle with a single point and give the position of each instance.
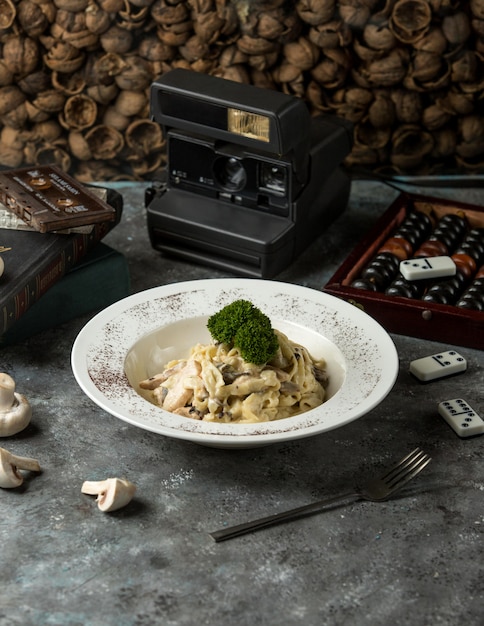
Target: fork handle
(286, 516)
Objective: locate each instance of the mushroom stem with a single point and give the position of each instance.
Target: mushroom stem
(10, 464)
(112, 493)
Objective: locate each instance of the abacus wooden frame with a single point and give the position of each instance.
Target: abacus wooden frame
(405, 316)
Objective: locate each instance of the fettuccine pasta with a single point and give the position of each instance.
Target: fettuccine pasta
(215, 384)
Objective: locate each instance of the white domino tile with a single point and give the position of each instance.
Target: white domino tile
(438, 365)
(427, 267)
(461, 417)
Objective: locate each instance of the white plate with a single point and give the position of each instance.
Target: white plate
(133, 339)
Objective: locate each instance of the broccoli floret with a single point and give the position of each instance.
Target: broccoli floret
(257, 344)
(243, 326)
(224, 324)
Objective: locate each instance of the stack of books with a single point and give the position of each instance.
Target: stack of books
(55, 267)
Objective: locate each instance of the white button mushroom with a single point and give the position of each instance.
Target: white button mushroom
(10, 464)
(2, 266)
(112, 493)
(15, 410)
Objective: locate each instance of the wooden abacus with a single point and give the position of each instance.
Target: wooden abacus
(448, 309)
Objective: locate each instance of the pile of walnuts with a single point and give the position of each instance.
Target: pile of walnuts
(75, 76)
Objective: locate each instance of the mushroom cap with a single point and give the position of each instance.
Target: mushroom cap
(17, 417)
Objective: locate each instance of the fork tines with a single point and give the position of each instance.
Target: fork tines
(407, 468)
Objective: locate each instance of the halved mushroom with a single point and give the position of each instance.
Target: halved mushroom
(112, 493)
(10, 464)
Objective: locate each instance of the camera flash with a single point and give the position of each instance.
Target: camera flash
(248, 124)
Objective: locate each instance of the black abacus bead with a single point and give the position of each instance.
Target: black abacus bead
(401, 286)
(458, 223)
(421, 219)
(446, 236)
(381, 275)
(418, 225)
(446, 292)
(440, 297)
(361, 283)
(476, 289)
(400, 290)
(390, 259)
(408, 233)
(475, 295)
(475, 234)
(470, 302)
(474, 249)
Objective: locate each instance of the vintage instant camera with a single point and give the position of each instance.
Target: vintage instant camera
(251, 178)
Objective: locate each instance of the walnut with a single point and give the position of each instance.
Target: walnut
(410, 146)
(330, 34)
(104, 142)
(445, 142)
(315, 12)
(6, 75)
(21, 55)
(208, 26)
(131, 102)
(389, 70)
(378, 35)
(410, 20)
(332, 70)
(31, 18)
(471, 136)
(355, 13)
(408, 105)
(64, 57)
(51, 101)
(194, 48)
(175, 34)
(113, 117)
(255, 45)
(381, 112)
(55, 153)
(152, 49)
(80, 112)
(116, 39)
(144, 137)
(79, 146)
(69, 84)
(434, 117)
(98, 20)
(71, 5)
(111, 6)
(165, 13)
(302, 53)
(456, 28)
(8, 13)
(135, 74)
(10, 98)
(477, 8)
(464, 67)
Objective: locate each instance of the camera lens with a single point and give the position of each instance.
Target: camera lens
(230, 173)
(273, 178)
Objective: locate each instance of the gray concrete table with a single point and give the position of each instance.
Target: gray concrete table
(415, 560)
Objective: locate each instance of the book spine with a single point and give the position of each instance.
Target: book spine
(76, 248)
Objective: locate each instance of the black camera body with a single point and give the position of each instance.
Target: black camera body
(251, 178)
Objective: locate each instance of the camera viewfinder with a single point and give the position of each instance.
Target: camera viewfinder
(273, 178)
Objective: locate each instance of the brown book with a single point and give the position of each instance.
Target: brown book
(35, 261)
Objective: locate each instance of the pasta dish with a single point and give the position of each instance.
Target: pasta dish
(216, 384)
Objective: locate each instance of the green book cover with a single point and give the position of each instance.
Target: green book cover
(98, 280)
